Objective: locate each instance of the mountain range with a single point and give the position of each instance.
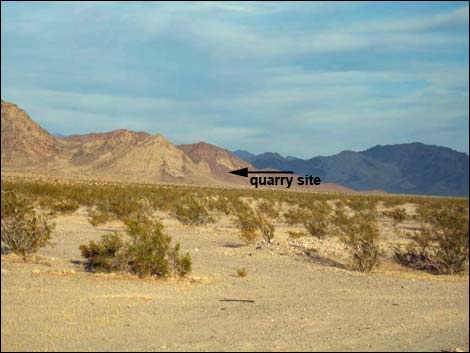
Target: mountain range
(27, 148)
(411, 168)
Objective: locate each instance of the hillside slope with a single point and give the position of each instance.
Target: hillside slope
(24, 142)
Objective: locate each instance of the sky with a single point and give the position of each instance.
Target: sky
(300, 79)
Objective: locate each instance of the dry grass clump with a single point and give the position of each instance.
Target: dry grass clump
(242, 272)
(441, 246)
(148, 253)
(23, 231)
(296, 235)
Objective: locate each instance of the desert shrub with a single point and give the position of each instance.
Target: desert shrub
(441, 245)
(191, 212)
(23, 231)
(339, 204)
(397, 214)
(339, 220)
(361, 237)
(296, 235)
(122, 206)
(220, 204)
(65, 206)
(362, 203)
(296, 216)
(253, 225)
(268, 209)
(317, 225)
(97, 217)
(105, 255)
(148, 253)
(391, 201)
(242, 272)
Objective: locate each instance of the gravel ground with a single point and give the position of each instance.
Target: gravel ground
(51, 303)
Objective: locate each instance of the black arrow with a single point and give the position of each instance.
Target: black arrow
(244, 172)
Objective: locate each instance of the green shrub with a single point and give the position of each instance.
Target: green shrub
(191, 212)
(297, 216)
(441, 245)
(106, 255)
(361, 237)
(22, 230)
(148, 253)
(122, 206)
(268, 209)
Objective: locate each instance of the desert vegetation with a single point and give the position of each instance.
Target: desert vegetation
(441, 244)
(23, 230)
(254, 226)
(148, 253)
(437, 243)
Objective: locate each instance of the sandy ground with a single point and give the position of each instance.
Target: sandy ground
(300, 303)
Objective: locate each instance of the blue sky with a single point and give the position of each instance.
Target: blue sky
(302, 79)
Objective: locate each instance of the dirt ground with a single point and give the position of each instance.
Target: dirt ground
(288, 300)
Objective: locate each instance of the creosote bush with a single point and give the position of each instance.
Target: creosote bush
(253, 226)
(297, 216)
(98, 217)
(397, 214)
(106, 255)
(23, 230)
(317, 225)
(441, 245)
(360, 234)
(191, 212)
(268, 209)
(148, 252)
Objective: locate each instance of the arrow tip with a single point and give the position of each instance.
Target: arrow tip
(241, 172)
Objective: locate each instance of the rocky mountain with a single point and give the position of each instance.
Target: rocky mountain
(133, 155)
(116, 155)
(24, 142)
(119, 154)
(412, 168)
(218, 160)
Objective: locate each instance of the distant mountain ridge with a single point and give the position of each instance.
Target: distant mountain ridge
(141, 157)
(411, 168)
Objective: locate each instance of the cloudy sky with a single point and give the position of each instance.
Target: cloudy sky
(301, 79)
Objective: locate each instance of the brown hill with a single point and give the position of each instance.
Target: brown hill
(132, 155)
(24, 142)
(116, 155)
(96, 136)
(218, 160)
